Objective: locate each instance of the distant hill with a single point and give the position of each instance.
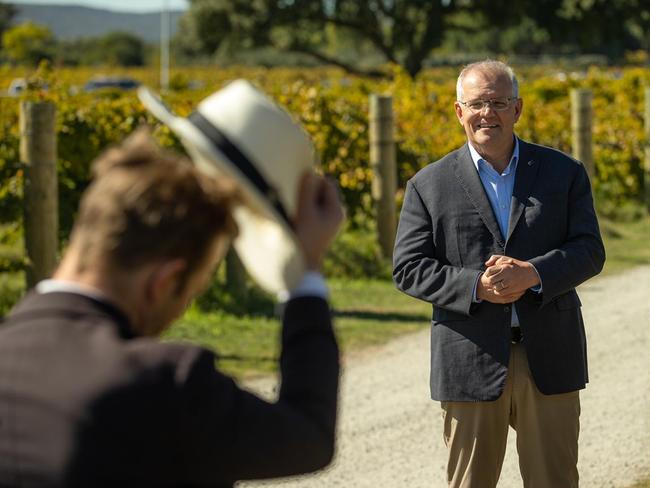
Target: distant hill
(69, 22)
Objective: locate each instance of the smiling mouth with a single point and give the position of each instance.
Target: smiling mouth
(487, 126)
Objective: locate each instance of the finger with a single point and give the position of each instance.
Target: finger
(330, 191)
(512, 297)
(493, 259)
(496, 271)
(492, 270)
(505, 260)
(308, 189)
(495, 278)
(330, 199)
(508, 294)
(492, 283)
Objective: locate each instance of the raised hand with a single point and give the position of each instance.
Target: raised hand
(318, 217)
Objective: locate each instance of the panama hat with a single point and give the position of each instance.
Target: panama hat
(240, 133)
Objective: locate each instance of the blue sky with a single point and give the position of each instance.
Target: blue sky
(119, 5)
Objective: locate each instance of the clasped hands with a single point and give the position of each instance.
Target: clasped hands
(506, 279)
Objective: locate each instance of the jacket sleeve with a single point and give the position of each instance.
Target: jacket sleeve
(230, 434)
(582, 255)
(421, 270)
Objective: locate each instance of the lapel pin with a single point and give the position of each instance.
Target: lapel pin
(530, 163)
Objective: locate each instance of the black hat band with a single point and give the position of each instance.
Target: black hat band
(223, 144)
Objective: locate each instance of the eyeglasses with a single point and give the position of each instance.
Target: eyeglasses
(497, 104)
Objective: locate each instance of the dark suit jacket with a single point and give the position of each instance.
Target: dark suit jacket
(85, 403)
(447, 230)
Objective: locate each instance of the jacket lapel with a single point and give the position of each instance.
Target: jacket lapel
(527, 169)
(471, 182)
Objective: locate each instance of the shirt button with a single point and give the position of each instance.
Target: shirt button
(506, 309)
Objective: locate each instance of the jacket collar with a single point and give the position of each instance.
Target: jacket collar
(60, 303)
(469, 179)
(524, 180)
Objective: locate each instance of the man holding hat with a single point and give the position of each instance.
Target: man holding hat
(89, 397)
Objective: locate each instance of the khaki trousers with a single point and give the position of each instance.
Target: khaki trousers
(547, 429)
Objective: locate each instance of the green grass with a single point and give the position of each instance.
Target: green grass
(627, 244)
(367, 312)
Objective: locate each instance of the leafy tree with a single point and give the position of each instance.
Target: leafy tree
(80, 51)
(115, 48)
(475, 32)
(403, 31)
(28, 43)
(123, 49)
(406, 31)
(7, 12)
(576, 26)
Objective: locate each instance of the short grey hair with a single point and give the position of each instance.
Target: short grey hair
(491, 66)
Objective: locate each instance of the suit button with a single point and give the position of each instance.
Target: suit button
(506, 309)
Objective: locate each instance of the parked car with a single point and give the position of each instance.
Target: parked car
(111, 82)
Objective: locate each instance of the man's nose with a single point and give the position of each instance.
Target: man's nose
(486, 108)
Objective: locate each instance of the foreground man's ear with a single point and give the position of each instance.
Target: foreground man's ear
(163, 280)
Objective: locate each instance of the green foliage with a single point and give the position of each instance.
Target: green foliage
(179, 82)
(115, 49)
(251, 301)
(405, 32)
(333, 108)
(12, 264)
(28, 43)
(122, 49)
(11, 172)
(565, 26)
(401, 31)
(7, 13)
(356, 253)
(11, 289)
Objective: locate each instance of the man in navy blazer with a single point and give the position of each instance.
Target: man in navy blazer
(89, 397)
(496, 236)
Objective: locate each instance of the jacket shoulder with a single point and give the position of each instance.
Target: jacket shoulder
(442, 166)
(549, 154)
(177, 359)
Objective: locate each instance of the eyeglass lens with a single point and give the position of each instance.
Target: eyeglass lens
(497, 104)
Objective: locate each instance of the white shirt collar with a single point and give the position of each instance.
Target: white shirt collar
(476, 157)
(52, 286)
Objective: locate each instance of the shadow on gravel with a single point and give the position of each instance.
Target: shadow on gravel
(382, 316)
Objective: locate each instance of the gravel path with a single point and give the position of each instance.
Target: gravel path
(390, 432)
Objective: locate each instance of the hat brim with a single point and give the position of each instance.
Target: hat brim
(266, 244)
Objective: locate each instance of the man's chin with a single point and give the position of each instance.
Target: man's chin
(491, 136)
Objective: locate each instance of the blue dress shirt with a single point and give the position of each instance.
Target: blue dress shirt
(498, 188)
